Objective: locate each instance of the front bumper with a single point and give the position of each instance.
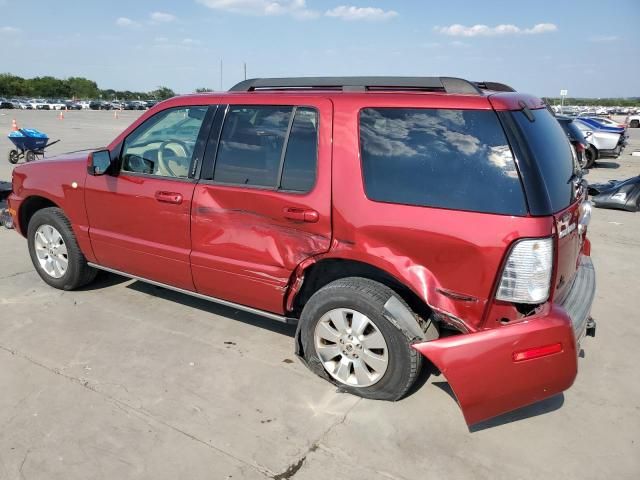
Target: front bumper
(485, 370)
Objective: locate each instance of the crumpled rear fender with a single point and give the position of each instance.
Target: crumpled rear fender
(488, 381)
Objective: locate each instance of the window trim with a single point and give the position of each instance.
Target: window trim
(198, 149)
(508, 138)
(276, 188)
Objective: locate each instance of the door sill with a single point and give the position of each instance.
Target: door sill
(226, 303)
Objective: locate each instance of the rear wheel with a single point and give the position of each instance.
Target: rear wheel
(590, 156)
(54, 251)
(348, 341)
(14, 156)
(634, 123)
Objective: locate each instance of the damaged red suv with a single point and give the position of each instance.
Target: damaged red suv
(393, 219)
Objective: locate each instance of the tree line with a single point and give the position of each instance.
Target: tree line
(72, 87)
(596, 102)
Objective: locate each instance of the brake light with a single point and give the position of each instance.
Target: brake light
(526, 276)
(537, 352)
(580, 147)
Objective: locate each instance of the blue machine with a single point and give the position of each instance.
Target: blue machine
(28, 143)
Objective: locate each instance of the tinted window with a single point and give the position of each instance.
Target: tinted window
(457, 159)
(552, 154)
(251, 145)
(164, 144)
(299, 170)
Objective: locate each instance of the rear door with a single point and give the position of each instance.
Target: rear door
(263, 204)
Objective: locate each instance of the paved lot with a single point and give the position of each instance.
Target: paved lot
(125, 380)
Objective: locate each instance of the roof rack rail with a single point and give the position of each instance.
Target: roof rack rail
(361, 84)
(495, 86)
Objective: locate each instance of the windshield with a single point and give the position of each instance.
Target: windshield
(552, 153)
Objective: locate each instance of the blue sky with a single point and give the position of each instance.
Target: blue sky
(591, 48)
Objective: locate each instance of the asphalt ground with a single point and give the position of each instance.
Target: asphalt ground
(123, 380)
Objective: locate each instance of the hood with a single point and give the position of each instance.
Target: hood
(70, 156)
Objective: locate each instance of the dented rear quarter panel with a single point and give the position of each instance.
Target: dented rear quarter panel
(442, 255)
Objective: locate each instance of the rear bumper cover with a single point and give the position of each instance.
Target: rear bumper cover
(481, 369)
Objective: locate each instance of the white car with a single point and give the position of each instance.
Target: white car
(56, 105)
(601, 143)
(37, 103)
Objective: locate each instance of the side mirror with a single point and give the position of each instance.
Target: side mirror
(98, 162)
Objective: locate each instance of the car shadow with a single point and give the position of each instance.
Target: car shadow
(608, 165)
(104, 280)
(214, 308)
(539, 408)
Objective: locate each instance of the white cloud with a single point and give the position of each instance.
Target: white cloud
(361, 13)
(162, 17)
(604, 38)
(295, 8)
(126, 22)
(9, 30)
(190, 42)
(161, 39)
(458, 30)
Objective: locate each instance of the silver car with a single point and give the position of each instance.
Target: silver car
(601, 143)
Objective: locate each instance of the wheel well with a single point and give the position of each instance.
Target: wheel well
(29, 207)
(326, 271)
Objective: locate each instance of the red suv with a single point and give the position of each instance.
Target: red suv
(391, 219)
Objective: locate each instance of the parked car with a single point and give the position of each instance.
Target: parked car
(577, 139)
(6, 104)
(386, 217)
(71, 105)
(36, 103)
(601, 143)
(100, 105)
(633, 121)
(600, 125)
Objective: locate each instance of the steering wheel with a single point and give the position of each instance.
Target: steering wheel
(163, 164)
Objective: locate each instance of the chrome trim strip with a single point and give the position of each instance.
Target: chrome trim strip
(255, 311)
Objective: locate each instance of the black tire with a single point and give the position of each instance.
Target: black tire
(634, 123)
(367, 297)
(78, 273)
(14, 156)
(590, 155)
(30, 156)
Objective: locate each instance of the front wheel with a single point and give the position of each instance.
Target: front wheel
(30, 156)
(54, 251)
(14, 156)
(348, 340)
(590, 155)
(634, 123)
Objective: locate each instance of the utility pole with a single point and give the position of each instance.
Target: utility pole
(245, 70)
(221, 75)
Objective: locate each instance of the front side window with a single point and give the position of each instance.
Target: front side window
(455, 159)
(165, 143)
(268, 146)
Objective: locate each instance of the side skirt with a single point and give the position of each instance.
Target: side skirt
(244, 308)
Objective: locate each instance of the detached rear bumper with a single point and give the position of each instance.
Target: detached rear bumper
(495, 371)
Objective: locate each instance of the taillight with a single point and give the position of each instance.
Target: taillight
(526, 276)
(579, 147)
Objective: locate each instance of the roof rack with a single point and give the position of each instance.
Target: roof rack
(361, 84)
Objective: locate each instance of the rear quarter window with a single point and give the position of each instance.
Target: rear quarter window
(455, 159)
(552, 154)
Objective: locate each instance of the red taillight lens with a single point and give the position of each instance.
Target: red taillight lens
(579, 147)
(537, 352)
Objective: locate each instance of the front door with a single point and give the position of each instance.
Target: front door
(139, 219)
(263, 204)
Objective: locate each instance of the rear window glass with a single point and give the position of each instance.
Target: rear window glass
(456, 159)
(552, 153)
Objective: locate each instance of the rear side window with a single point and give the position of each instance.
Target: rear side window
(552, 154)
(251, 145)
(456, 159)
(268, 146)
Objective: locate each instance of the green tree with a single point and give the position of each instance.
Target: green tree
(203, 90)
(162, 93)
(80, 87)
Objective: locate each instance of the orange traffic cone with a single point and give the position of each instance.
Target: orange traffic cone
(61, 115)
(14, 125)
